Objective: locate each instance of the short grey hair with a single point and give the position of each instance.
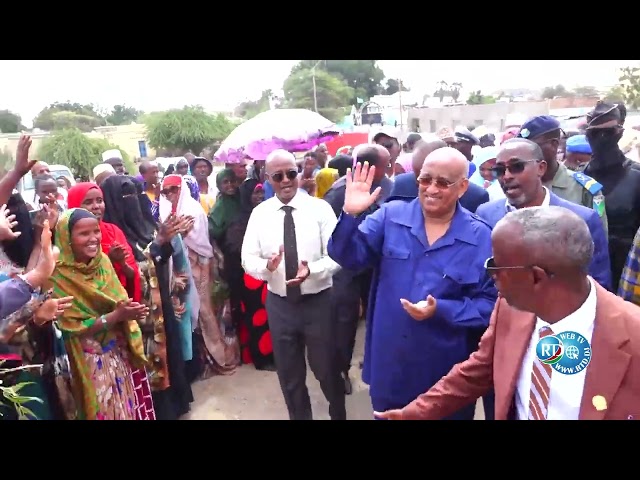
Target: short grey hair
(533, 147)
(553, 236)
(281, 154)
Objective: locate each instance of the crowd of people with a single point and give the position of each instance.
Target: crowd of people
(462, 253)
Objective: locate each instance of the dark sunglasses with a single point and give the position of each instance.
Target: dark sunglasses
(602, 132)
(279, 176)
(169, 190)
(440, 183)
(514, 168)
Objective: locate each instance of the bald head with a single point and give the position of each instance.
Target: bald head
(280, 157)
(375, 155)
(422, 149)
(451, 159)
(144, 167)
(553, 238)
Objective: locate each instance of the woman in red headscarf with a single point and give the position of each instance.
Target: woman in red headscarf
(89, 196)
(114, 243)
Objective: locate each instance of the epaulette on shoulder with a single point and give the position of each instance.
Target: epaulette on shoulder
(481, 220)
(587, 182)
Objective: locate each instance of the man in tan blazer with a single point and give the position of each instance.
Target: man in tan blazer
(541, 256)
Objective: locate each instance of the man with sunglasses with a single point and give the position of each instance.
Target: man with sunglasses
(540, 263)
(620, 178)
(285, 244)
(519, 168)
(429, 289)
(572, 186)
(405, 186)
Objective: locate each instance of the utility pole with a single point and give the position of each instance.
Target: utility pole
(313, 79)
(400, 98)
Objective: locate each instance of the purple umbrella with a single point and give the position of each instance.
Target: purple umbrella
(294, 130)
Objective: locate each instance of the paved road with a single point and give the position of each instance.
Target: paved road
(253, 395)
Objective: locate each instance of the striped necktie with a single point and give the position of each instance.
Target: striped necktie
(540, 385)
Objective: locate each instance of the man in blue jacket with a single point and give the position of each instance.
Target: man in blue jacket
(405, 185)
(519, 169)
(430, 286)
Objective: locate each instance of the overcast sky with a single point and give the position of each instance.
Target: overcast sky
(26, 86)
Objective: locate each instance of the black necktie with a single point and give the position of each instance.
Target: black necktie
(290, 253)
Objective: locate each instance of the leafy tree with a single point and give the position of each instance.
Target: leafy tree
(630, 86)
(615, 94)
(59, 116)
(557, 91)
(476, 98)
(71, 147)
(10, 122)
(122, 115)
(332, 94)
(363, 76)
(250, 109)
(585, 91)
(393, 86)
(188, 129)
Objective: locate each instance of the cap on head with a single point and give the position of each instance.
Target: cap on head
(110, 154)
(445, 134)
(605, 115)
(537, 126)
(386, 131)
(103, 168)
(578, 144)
(462, 134)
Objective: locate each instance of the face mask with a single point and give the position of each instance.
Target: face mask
(604, 143)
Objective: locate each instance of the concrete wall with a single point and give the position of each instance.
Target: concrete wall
(492, 116)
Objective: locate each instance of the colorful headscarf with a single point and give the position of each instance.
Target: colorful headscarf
(96, 291)
(406, 162)
(198, 239)
(324, 179)
(226, 207)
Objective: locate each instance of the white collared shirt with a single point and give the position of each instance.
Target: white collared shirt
(545, 201)
(565, 390)
(314, 221)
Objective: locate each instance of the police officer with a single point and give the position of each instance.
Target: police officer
(620, 178)
(574, 187)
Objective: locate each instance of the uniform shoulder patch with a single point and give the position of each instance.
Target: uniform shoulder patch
(587, 182)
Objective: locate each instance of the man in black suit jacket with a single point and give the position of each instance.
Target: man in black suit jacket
(405, 186)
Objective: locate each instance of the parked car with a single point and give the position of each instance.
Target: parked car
(27, 188)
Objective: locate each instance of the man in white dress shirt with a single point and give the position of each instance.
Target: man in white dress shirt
(576, 356)
(285, 244)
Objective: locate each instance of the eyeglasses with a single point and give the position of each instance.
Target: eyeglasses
(440, 183)
(492, 269)
(514, 168)
(169, 190)
(279, 176)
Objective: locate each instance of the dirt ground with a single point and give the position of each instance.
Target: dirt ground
(253, 395)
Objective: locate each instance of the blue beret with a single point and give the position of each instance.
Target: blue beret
(536, 126)
(578, 144)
